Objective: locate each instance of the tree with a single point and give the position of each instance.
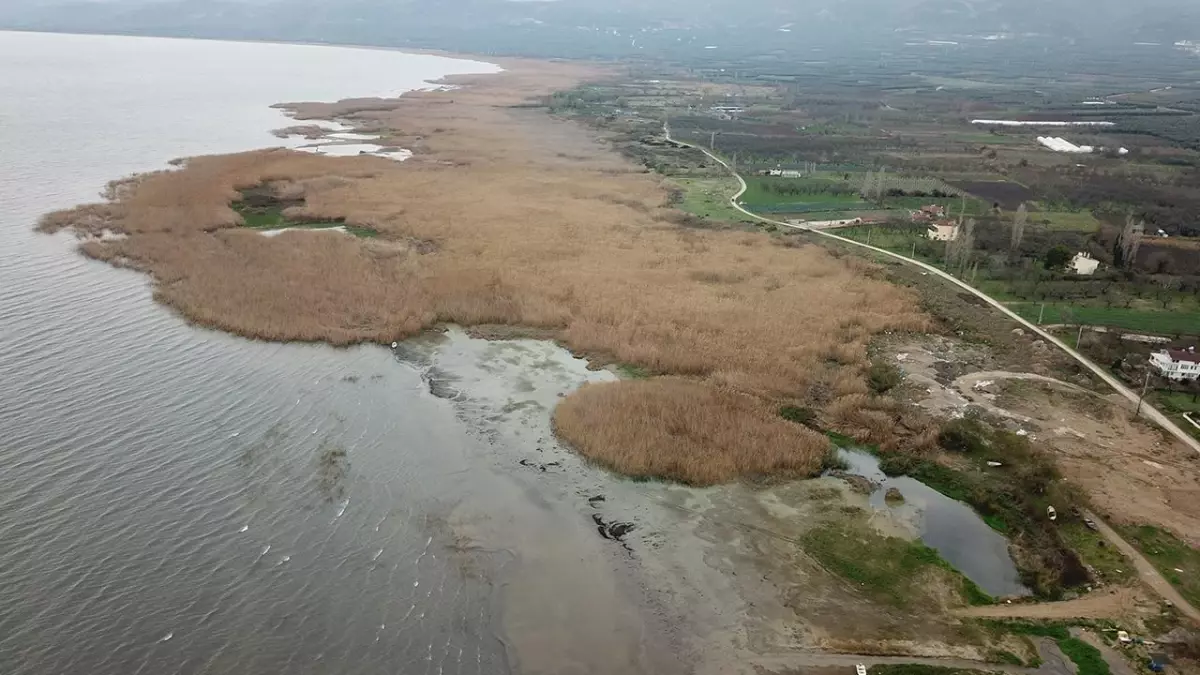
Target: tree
(1018, 229)
(1126, 250)
(959, 249)
(1058, 257)
(880, 184)
(867, 186)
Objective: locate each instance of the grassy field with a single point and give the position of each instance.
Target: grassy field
(1178, 562)
(887, 569)
(1072, 221)
(759, 191)
(774, 194)
(1145, 321)
(709, 198)
(1108, 562)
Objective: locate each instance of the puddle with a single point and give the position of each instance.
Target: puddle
(275, 233)
(355, 150)
(950, 527)
(346, 136)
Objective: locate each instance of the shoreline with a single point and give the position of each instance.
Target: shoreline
(513, 218)
(500, 211)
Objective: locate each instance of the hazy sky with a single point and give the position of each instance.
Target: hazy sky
(553, 26)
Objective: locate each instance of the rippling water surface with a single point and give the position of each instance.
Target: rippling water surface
(174, 500)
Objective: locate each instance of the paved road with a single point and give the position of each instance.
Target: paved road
(1147, 410)
(1146, 571)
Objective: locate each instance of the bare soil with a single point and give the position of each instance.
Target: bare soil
(1130, 470)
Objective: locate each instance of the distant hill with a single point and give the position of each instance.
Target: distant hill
(614, 27)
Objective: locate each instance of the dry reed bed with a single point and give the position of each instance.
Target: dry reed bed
(524, 220)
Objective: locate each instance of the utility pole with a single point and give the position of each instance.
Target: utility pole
(869, 236)
(712, 142)
(914, 251)
(1141, 398)
(1079, 338)
(1041, 313)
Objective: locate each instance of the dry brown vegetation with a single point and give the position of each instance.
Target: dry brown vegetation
(701, 435)
(507, 216)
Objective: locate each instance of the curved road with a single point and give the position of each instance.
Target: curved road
(1148, 411)
(1146, 570)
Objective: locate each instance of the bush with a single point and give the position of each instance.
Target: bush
(883, 377)
(964, 435)
(805, 416)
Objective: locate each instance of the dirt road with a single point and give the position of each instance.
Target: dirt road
(1146, 571)
(1097, 605)
(1147, 410)
(1054, 662)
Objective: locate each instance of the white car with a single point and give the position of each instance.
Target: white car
(860, 669)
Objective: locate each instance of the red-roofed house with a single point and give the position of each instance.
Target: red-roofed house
(1177, 364)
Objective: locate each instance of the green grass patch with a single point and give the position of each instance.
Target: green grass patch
(1087, 658)
(1144, 321)
(709, 198)
(1066, 221)
(887, 569)
(774, 191)
(362, 232)
(1176, 401)
(1002, 656)
(799, 415)
(954, 484)
(1108, 562)
(1178, 562)
(1047, 629)
(272, 218)
(631, 372)
(919, 669)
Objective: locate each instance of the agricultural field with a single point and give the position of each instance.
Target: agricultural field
(828, 195)
(1140, 321)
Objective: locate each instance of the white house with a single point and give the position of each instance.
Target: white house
(1084, 264)
(1177, 364)
(943, 232)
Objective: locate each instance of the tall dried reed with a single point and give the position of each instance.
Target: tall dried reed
(507, 216)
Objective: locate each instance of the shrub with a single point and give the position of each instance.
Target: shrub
(883, 377)
(963, 435)
(799, 415)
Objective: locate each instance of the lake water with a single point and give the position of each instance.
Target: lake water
(175, 500)
(948, 526)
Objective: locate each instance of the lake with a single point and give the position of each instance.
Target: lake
(176, 500)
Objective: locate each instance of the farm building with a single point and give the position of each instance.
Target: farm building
(928, 213)
(1084, 264)
(943, 232)
(1177, 364)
